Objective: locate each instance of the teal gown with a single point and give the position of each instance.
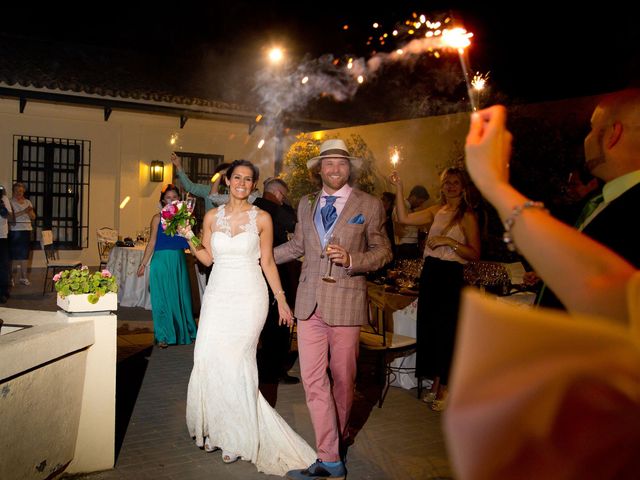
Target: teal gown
(170, 290)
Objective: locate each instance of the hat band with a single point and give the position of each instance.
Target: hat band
(334, 151)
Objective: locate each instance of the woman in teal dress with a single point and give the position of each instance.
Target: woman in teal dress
(168, 281)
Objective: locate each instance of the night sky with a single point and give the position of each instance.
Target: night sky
(533, 51)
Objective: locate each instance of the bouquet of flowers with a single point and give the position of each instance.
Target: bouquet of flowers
(77, 282)
(179, 214)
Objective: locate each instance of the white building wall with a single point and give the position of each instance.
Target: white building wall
(121, 151)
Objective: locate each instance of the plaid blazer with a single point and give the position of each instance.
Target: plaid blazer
(343, 302)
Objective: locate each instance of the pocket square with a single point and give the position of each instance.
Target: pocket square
(357, 220)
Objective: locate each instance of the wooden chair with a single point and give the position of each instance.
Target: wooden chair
(107, 238)
(378, 338)
(54, 264)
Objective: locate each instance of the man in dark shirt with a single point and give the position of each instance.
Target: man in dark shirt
(612, 154)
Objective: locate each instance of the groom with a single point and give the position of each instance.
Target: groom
(330, 314)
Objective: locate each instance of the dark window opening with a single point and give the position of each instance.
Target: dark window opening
(199, 168)
(55, 173)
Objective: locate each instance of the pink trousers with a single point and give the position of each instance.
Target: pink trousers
(321, 345)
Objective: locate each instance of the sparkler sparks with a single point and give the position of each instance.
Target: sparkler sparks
(289, 87)
(478, 83)
(479, 80)
(395, 157)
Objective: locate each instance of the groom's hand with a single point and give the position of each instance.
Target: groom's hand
(339, 256)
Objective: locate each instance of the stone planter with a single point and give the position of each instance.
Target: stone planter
(80, 303)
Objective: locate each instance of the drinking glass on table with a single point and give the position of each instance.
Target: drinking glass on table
(331, 240)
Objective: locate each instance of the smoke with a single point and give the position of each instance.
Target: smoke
(288, 89)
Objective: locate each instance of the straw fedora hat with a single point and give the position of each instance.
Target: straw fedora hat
(335, 148)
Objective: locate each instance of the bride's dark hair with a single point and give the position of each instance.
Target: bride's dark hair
(243, 163)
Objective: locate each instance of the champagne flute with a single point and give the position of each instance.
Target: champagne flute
(330, 239)
(191, 202)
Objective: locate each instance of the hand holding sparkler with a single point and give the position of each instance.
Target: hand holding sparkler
(177, 161)
(488, 150)
(395, 179)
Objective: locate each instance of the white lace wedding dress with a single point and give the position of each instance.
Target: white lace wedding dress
(223, 401)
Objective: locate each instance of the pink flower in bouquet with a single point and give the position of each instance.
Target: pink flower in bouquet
(56, 277)
(169, 212)
(105, 273)
(178, 214)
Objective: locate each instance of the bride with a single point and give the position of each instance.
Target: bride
(225, 410)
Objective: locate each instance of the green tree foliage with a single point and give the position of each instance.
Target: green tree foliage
(295, 171)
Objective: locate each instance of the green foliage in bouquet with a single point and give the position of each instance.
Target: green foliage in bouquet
(78, 282)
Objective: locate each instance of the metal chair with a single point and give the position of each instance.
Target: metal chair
(54, 264)
(377, 337)
(107, 238)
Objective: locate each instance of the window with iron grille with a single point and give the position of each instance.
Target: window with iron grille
(55, 172)
(199, 168)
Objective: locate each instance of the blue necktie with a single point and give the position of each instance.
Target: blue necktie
(328, 212)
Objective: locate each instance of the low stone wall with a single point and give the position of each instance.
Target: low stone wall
(57, 393)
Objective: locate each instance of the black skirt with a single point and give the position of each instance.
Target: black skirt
(437, 318)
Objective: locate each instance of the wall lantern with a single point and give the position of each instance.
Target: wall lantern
(157, 171)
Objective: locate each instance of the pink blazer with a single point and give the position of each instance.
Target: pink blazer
(361, 232)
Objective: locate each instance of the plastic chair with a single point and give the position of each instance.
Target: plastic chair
(107, 238)
(54, 264)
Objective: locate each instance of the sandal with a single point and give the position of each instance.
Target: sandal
(429, 398)
(439, 405)
(229, 457)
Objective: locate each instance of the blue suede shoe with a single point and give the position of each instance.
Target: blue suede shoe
(319, 470)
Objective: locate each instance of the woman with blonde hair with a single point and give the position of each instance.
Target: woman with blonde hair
(453, 240)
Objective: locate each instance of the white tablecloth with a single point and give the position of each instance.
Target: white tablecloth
(133, 291)
(404, 323)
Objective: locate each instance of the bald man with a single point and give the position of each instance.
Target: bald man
(612, 154)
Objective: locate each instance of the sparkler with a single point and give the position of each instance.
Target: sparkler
(429, 36)
(478, 83)
(395, 157)
(174, 141)
(293, 86)
(458, 38)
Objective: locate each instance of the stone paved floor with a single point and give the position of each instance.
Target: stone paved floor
(401, 440)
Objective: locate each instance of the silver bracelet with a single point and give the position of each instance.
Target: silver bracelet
(507, 237)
